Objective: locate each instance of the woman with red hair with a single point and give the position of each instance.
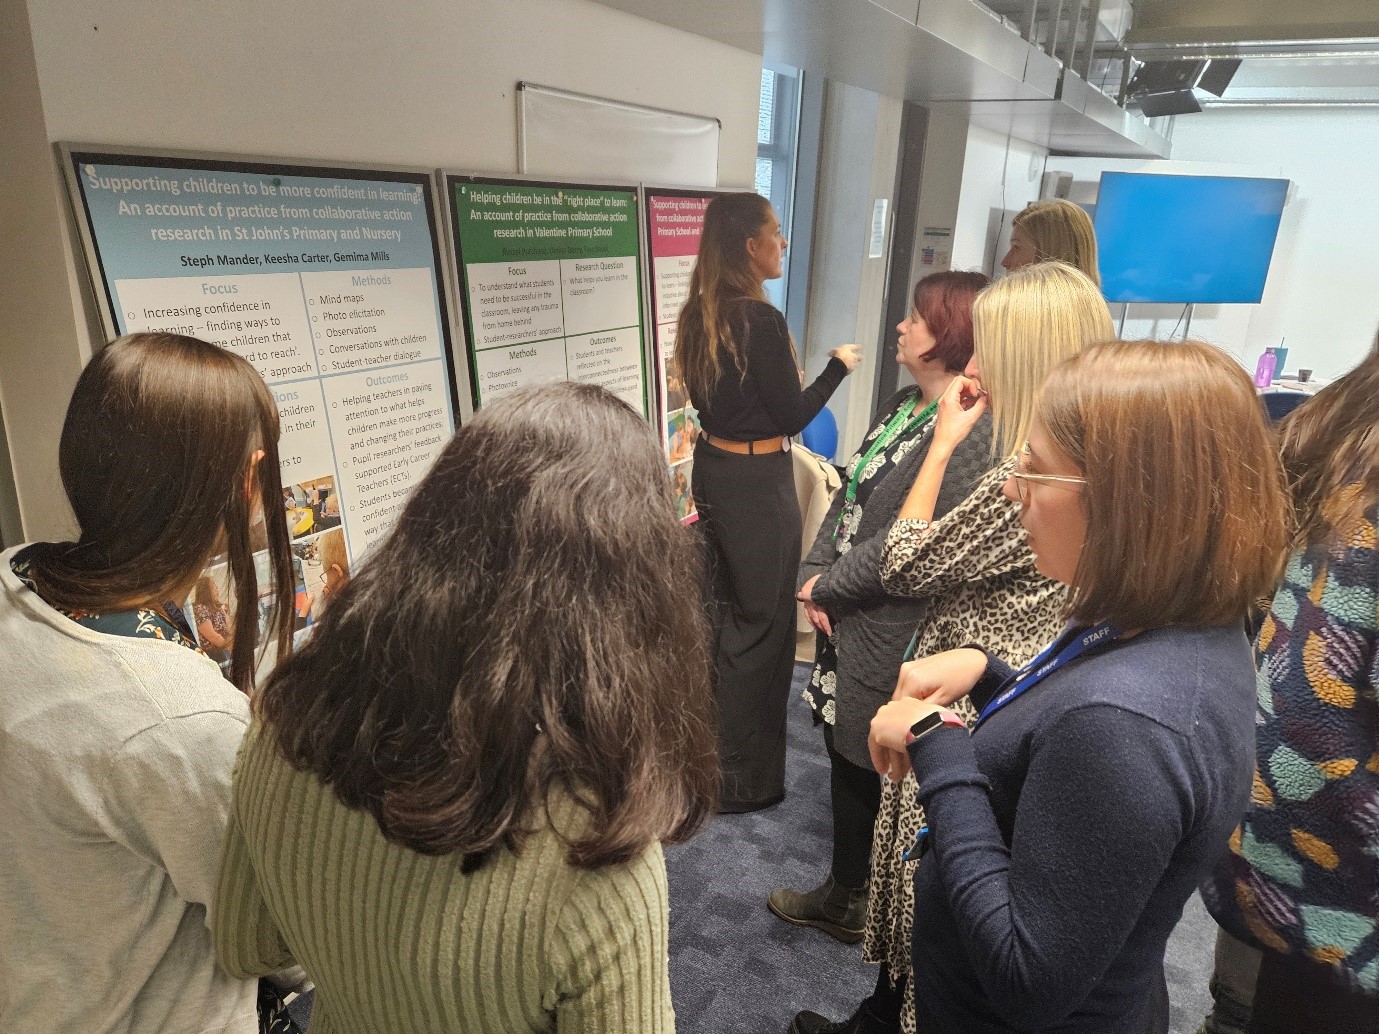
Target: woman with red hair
(863, 629)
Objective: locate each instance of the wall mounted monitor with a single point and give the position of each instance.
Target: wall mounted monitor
(1186, 239)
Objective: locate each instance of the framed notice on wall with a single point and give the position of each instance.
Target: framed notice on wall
(549, 285)
(674, 221)
(326, 279)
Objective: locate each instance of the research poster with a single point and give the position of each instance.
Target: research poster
(550, 286)
(674, 221)
(327, 281)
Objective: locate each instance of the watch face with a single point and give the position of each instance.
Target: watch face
(930, 721)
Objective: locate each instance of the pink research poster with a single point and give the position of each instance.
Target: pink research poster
(674, 220)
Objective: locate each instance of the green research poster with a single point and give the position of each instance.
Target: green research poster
(550, 285)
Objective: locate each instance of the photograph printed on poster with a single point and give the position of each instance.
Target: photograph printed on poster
(681, 481)
(211, 610)
(682, 431)
(326, 568)
(676, 395)
(312, 506)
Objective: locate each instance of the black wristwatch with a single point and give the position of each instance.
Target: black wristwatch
(931, 721)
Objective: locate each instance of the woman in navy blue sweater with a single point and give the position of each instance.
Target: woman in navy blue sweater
(1069, 829)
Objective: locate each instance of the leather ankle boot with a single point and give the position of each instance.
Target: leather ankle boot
(860, 1022)
(838, 911)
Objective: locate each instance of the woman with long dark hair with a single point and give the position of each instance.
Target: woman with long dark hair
(863, 629)
(451, 805)
(1301, 881)
(117, 735)
(740, 368)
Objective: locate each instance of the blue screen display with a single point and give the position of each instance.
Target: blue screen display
(1186, 238)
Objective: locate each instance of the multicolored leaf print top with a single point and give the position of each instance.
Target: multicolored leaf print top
(142, 623)
(1303, 873)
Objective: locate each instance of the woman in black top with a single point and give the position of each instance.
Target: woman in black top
(740, 369)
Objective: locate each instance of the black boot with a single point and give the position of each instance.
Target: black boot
(840, 912)
(860, 1022)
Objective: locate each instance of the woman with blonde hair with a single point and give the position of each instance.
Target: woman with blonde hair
(1053, 231)
(972, 567)
(739, 366)
(1102, 779)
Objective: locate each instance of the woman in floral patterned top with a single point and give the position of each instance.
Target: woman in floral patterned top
(863, 629)
(971, 567)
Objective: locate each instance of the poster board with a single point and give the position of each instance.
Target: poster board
(674, 219)
(549, 278)
(327, 279)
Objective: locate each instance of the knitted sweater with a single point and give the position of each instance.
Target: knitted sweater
(1070, 829)
(115, 761)
(400, 941)
(1303, 873)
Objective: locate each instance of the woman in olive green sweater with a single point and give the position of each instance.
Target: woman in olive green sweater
(449, 809)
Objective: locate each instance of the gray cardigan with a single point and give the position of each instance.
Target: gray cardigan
(871, 628)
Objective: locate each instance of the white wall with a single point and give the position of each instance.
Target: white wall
(1320, 294)
(1000, 176)
(425, 83)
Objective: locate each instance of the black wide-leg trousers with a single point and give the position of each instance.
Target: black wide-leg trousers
(750, 518)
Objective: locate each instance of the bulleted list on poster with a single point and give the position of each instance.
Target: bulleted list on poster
(327, 286)
(551, 287)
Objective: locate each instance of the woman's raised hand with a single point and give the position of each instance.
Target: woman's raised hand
(848, 355)
(959, 409)
(940, 678)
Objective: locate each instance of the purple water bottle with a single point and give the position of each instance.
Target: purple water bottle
(1264, 372)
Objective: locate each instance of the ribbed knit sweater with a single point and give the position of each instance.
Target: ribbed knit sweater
(398, 941)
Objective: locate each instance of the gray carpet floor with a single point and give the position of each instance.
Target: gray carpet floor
(737, 969)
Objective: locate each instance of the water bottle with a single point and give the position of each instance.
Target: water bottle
(1264, 372)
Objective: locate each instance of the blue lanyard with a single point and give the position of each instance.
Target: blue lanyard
(1063, 650)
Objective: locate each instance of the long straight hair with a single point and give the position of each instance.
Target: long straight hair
(1061, 232)
(156, 459)
(533, 621)
(1023, 326)
(1184, 501)
(1330, 452)
(722, 276)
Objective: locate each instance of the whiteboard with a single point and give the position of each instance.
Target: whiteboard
(574, 135)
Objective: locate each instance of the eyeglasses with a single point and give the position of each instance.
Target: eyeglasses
(1023, 478)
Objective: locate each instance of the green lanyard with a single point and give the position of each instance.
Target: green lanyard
(901, 423)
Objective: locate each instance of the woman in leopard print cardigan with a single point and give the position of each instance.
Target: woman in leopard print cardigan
(973, 569)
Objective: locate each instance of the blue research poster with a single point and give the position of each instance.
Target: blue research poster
(325, 279)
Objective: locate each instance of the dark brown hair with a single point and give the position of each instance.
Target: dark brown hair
(1186, 513)
(155, 457)
(1330, 452)
(944, 301)
(722, 278)
(534, 621)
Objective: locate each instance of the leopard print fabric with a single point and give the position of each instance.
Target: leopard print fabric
(975, 567)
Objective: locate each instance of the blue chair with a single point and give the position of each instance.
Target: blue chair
(821, 435)
(1279, 404)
